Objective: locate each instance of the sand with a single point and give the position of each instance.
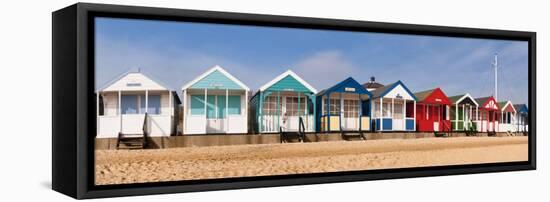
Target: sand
(135, 166)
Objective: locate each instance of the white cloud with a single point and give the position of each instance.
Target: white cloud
(325, 68)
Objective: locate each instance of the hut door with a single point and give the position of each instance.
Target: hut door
(215, 114)
(436, 117)
(294, 108)
(398, 115)
(351, 115)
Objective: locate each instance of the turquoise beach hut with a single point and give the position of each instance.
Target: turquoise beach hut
(344, 107)
(215, 102)
(279, 104)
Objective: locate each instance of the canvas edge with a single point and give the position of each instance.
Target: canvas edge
(81, 163)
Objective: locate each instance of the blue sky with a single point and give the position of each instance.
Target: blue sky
(177, 52)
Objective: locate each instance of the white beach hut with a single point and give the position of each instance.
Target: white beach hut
(508, 121)
(123, 104)
(215, 103)
(393, 108)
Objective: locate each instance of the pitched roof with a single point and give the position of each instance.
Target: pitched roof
(213, 70)
(132, 71)
(455, 98)
(422, 95)
(374, 85)
(521, 108)
(283, 76)
(433, 96)
(382, 91)
(459, 98)
(348, 85)
(484, 100)
(503, 105)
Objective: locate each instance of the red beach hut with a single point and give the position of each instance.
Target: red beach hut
(489, 113)
(432, 111)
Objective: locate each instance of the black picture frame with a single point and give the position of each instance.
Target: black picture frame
(73, 100)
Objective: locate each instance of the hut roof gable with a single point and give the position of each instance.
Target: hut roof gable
(348, 85)
(507, 106)
(488, 103)
(457, 99)
(133, 81)
(433, 96)
(521, 108)
(387, 89)
(288, 81)
(215, 78)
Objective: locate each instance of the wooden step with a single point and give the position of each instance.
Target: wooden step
(131, 141)
(124, 146)
(353, 135)
(289, 136)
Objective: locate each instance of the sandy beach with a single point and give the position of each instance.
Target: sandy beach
(135, 166)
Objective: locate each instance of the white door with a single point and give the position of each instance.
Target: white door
(350, 116)
(398, 115)
(350, 123)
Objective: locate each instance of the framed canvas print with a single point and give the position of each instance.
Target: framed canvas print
(157, 100)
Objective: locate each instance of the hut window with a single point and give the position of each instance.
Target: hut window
(129, 104)
(386, 109)
(292, 106)
(270, 105)
(334, 106)
(153, 104)
(234, 102)
(376, 109)
(351, 108)
(197, 104)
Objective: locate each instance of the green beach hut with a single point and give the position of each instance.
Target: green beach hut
(279, 104)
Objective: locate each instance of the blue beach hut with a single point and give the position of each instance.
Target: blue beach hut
(344, 107)
(522, 117)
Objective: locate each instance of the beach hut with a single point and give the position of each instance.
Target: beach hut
(488, 114)
(133, 99)
(279, 104)
(463, 111)
(432, 111)
(215, 103)
(507, 120)
(522, 118)
(343, 107)
(393, 108)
